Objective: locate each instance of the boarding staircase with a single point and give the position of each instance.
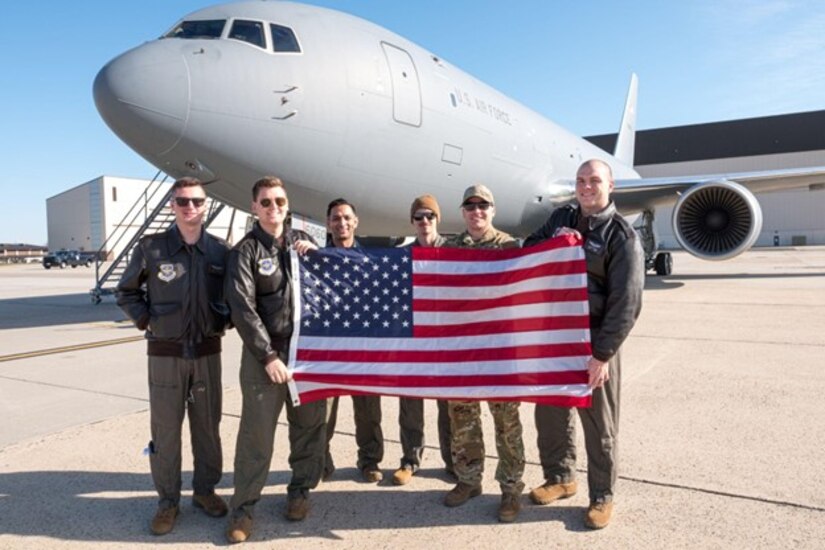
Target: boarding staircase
(151, 213)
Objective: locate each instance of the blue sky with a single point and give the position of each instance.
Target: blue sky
(697, 61)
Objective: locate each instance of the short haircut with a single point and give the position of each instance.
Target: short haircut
(266, 182)
(598, 162)
(340, 202)
(186, 182)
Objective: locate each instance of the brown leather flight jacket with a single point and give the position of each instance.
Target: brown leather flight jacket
(259, 292)
(174, 292)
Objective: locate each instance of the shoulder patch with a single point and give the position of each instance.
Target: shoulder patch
(266, 266)
(167, 272)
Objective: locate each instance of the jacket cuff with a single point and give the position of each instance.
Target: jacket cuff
(270, 357)
(143, 321)
(604, 357)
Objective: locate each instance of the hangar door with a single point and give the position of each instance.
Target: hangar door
(406, 92)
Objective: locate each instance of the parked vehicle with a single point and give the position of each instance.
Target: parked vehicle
(64, 258)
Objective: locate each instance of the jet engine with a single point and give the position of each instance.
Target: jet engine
(717, 220)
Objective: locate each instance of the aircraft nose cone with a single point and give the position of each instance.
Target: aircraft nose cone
(143, 96)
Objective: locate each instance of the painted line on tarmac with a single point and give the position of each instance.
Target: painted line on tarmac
(64, 349)
(729, 340)
(752, 498)
(763, 500)
(74, 388)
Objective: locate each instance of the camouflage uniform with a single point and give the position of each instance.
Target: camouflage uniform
(467, 442)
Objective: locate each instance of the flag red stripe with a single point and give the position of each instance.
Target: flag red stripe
(488, 255)
(511, 276)
(416, 381)
(446, 356)
(505, 326)
(523, 298)
(553, 400)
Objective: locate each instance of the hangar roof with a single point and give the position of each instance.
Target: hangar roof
(769, 135)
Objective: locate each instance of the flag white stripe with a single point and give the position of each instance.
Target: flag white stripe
(486, 292)
(509, 313)
(470, 368)
(492, 341)
(445, 267)
(476, 392)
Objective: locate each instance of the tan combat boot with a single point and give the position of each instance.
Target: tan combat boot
(461, 493)
(598, 515)
(550, 492)
(402, 475)
(212, 505)
(239, 528)
(372, 474)
(164, 520)
(509, 508)
(297, 508)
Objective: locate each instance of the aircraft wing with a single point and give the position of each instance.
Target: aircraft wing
(715, 217)
(635, 195)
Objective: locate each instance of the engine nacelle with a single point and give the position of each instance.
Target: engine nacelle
(717, 220)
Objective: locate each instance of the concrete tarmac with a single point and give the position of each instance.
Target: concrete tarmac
(722, 430)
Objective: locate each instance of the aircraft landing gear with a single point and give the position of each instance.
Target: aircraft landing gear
(663, 264)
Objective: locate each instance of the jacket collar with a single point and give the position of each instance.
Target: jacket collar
(176, 242)
(487, 236)
(439, 241)
(266, 239)
(599, 218)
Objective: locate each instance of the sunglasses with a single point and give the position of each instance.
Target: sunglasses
(470, 206)
(197, 202)
(266, 203)
(418, 217)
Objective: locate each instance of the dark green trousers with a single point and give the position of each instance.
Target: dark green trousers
(178, 386)
(368, 434)
(262, 404)
(411, 424)
(556, 428)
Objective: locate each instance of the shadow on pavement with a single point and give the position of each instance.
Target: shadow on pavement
(104, 506)
(671, 282)
(63, 309)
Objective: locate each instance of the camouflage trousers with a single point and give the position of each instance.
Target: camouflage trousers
(467, 443)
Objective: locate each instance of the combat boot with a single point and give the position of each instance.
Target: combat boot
(550, 492)
(461, 493)
(598, 515)
(212, 505)
(509, 508)
(371, 473)
(239, 528)
(297, 507)
(402, 475)
(164, 520)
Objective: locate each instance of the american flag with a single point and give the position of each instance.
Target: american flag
(450, 323)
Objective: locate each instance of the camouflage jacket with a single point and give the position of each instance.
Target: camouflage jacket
(492, 238)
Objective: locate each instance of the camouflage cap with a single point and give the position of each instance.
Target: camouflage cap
(478, 191)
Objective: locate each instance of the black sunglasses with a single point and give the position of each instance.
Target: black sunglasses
(196, 201)
(430, 216)
(470, 206)
(266, 203)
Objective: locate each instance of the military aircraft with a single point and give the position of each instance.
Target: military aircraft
(338, 106)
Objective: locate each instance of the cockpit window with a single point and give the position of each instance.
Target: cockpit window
(212, 28)
(248, 31)
(283, 39)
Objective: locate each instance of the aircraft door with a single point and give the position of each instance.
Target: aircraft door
(406, 91)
